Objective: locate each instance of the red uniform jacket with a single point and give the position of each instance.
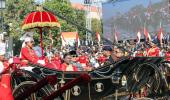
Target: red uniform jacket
(153, 52)
(83, 61)
(102, 59)
(54, 64)
(139, 54)
(167, 55)
(57, 58)
(5, 84)
(64, 67)
(28, 55)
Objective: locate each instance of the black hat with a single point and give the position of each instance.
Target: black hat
(107, 48)
(73, 53)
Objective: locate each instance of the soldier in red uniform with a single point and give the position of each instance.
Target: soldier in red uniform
(28, 54)
(56, 61)
(57, 57)
(5, 79)
(101, 59)
(154, 51)
(167, 54)
(84, 61)
(139, 53)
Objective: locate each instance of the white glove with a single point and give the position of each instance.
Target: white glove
(42, 62)
(96, 65)
(10, 61)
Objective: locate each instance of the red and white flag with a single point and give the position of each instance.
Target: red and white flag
(77, 40)
(63, 40)
(160, 34)
(138, 37)
(98, 37)
(147, 35)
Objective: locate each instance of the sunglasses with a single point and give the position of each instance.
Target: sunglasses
(74, 55)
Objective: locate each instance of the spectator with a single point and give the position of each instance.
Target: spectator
(67, 65)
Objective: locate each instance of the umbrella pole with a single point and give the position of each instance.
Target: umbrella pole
(41, 40)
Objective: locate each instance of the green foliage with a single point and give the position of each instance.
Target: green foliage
(16, 10)
(14, 14)
(81, 21)
(96, 25)
(64, 8)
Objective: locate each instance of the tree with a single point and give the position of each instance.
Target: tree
(14, 14)
(16, 10)
(96, 25)
(64, 8)
(81, 20)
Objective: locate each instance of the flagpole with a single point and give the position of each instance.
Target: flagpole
(144, 30)
(161, 42)
(100, 48)
(99, 43)
(115, 33)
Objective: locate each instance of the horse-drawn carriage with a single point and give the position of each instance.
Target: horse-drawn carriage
(129, 75)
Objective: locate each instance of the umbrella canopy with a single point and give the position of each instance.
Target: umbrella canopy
(39, 19)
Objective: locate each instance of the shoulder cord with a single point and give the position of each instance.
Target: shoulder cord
(104, 75)
(101, 72)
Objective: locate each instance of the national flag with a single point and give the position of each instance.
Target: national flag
(115, 37)
(98, 37)
(77, 40)
(138, 37)
(147, 35)
(63, 39)
(160, 34)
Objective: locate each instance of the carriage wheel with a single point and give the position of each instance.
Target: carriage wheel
(34, 96)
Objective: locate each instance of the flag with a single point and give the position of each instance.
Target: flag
(147, 35)
(138, 37)
(77, 40)
(63, 40)
(115, 37)
(160, 35)
(98, 37)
